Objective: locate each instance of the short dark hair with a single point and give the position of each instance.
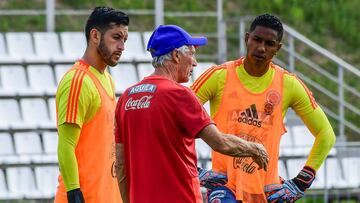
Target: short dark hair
(269, 21)
(102, 18)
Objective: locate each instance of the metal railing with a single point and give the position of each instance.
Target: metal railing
(51, 12)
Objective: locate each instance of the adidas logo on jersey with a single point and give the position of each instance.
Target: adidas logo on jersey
(250, 116)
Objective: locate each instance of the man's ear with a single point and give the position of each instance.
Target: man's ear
(175, 55)
(279, 47)
(95, 36)
(246, 37)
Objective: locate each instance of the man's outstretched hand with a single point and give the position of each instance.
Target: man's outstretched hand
(259, 155)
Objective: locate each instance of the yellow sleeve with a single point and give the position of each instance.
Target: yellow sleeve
(69, 135)
(77, 99)
(320, 127)
(209, 87)
(300, 99)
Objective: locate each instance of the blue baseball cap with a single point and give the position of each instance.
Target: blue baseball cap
(166, 38)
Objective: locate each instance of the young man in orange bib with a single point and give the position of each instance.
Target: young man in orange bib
(85, 103)
(249, 97)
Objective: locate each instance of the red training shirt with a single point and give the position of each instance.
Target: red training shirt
(157, 121)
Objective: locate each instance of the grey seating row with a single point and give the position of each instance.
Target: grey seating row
(61, 47)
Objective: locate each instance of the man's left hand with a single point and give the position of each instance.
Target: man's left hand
(211, 179)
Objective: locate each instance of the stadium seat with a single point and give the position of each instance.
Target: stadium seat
(286, 144)
(303, 140)
(3, 190)
(134, 49)
(145, 70)
(334, 176)
(50, 141)
(28, 147)
(73, 44)
(4, 57)
(124, 76)
(295, 165)
(47, 180)
(208, 165)
(47, 45)
(200, 69)
(2, 45)
(9, 113)
(282, 170)
(21, 182)
(6, 145)
(202, 149)
(27, 143)
(351, 169)
(7, 152)
(13, 79)
(146, 37)
(319, 182)
(20, 45)
(41, 78)
(52, 109)
(292, 119)
(60, 70)
(35, 113)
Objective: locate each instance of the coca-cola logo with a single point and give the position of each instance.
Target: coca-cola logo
(142, 103)
(246, 164)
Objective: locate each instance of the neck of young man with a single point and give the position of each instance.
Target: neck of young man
(256, 69)
(94, 60)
